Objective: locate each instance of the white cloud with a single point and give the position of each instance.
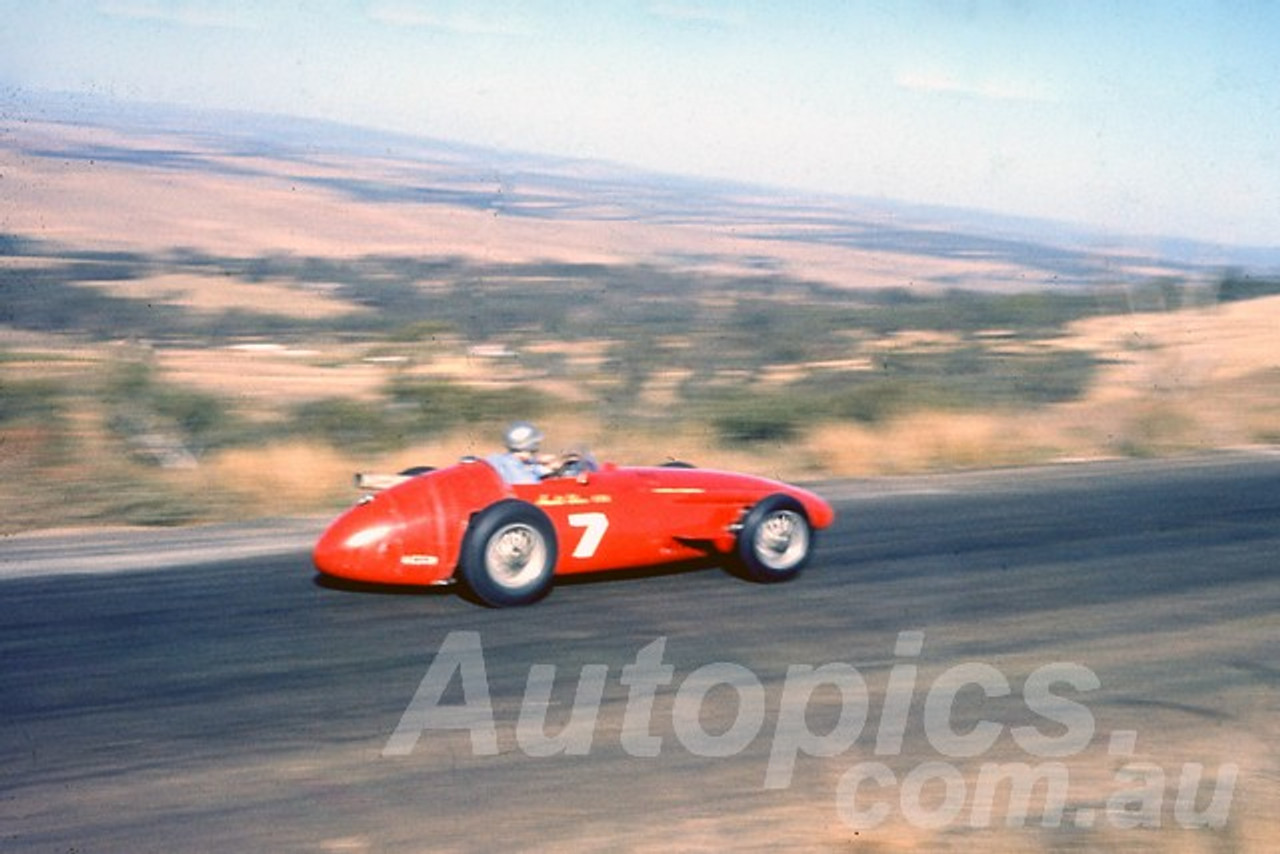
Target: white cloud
(987, 89)
(402, 13)
(688, 12)
(195, 14)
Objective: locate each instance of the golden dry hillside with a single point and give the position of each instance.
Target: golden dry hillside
(201, 322)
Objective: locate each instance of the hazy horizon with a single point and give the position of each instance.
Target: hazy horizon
(518, 177)
(1131, 118)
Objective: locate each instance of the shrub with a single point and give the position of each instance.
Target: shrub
(346, 424)
(429, 408)
(29, 401)
(137, 403)
(1237, 286)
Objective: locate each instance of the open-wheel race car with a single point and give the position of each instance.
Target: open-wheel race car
(506, 541)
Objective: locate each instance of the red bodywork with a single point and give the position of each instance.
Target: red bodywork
(613, 518)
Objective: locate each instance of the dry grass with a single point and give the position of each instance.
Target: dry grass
(1175, 382)
(241, 213)
(289, 477)
(1202, 377)
(217, 294)
(1188, 348)
(265, 381)
(922, 441)
(1191, 379)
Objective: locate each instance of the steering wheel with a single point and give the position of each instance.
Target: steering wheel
(573, 464)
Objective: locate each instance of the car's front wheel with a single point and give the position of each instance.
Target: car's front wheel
(775, 540)
(509, 554)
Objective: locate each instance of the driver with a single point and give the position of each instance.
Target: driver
(521, 463)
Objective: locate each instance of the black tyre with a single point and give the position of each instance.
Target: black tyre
(776, 540)
(509, 555)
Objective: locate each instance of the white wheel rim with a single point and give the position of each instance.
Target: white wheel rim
(781, 540)
(516, 556)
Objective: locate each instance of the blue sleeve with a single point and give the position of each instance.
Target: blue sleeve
(511, 469)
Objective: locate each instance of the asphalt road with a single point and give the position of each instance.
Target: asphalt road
(1111, 630)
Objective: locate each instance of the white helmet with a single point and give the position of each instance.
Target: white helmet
(523, 436)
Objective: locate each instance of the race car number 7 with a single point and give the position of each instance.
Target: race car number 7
(594, 525)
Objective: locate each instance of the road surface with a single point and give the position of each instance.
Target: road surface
(1105, 636)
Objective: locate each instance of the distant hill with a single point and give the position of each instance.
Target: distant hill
(205, 315)
(97, 173)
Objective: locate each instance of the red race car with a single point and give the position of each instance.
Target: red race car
(506, 541)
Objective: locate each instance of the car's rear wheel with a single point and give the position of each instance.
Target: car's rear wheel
(509, 555)
(775, 541)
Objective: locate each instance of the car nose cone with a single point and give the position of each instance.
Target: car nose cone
(363, 543)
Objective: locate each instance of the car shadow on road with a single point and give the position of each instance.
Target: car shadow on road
(687, 567)
(329, 582)
(665, 570)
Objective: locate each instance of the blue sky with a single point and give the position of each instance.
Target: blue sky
(1141, 117)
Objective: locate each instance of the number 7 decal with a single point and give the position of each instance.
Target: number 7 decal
(594, 525)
